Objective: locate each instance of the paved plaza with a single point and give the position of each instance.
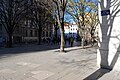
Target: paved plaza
(45, 62)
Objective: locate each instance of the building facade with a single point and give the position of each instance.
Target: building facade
(28, 33)
(71, 29)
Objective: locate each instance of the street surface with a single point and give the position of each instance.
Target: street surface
(45, 62)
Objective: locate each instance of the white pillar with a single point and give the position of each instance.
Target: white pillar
(109, 34)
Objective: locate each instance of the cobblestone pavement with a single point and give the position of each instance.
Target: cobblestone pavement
(38, 63)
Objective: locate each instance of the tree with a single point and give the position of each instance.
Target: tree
(78, 9)
(11, 12)
(60, 14)
(93, 23)
(41, 12)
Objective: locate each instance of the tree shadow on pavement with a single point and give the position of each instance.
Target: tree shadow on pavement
(97, 74)
(7, 52)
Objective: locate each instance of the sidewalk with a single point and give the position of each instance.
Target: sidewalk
(39, 63)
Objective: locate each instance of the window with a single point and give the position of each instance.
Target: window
(26, 33)
(31, 33)
(49, 34)
(43, 34)
(29, 22)
(25, 23)
(46, 34)
(35, 33)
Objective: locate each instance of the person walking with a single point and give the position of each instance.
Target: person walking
(71, 41)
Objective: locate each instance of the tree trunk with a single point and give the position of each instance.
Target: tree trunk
(83, 36)
(62, 41)
(83, 32)
(83, 26)
(62, 37)
(9, 42)
(39, 35)
(61, 25)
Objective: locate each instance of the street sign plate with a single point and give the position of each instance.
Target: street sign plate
(105, 12)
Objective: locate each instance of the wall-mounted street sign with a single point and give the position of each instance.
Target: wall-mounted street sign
(105, 12)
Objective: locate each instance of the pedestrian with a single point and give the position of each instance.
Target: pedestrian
(65, 40)
(71, 41)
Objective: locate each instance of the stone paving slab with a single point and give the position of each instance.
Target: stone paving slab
(30, 78)
(32, 65)
(41, 75)
(9, 71)
(23, 63)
